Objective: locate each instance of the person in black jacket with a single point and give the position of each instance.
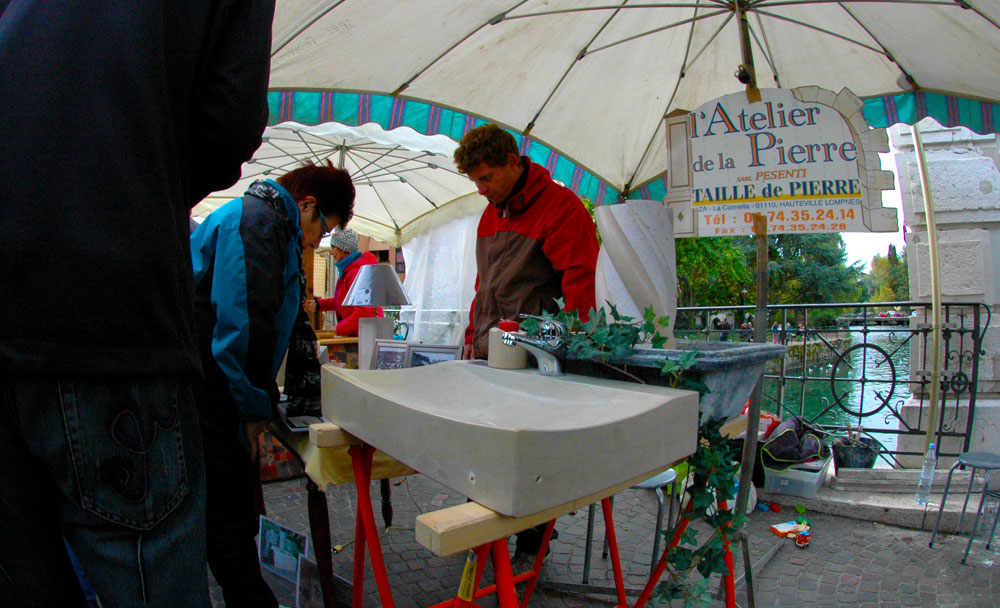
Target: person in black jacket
(117, 118)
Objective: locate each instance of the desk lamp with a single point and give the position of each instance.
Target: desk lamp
(375, 285)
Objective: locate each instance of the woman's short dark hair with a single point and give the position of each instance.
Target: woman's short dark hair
(332, 188)
(485, 144)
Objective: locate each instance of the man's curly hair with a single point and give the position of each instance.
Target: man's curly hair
(485, 144)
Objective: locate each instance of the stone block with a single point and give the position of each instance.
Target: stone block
(967, 266)
(964, 188)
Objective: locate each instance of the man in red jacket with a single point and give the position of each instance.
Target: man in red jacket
(535, 242)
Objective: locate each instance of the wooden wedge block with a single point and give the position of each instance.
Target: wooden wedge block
(329, 435)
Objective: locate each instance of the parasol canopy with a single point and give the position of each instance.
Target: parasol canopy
(593, 80)
(406, 182)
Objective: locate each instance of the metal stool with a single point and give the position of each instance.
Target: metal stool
(655, 483)
(987, 461)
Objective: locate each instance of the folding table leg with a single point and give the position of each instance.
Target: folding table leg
(319, 527)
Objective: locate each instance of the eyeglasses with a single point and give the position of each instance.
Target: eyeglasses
(326, 230)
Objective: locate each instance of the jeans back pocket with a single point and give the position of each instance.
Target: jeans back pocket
(126, 440)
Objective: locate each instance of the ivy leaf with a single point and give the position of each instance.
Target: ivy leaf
(649, 315)
(601, 336)
(689, 537)
(669, 366)
(670, 590)
(681, 558)
(688, 358)
(658, 341)
(615, 315)
(694, 384)
(713, 560)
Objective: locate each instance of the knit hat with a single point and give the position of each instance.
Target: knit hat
(346, 240)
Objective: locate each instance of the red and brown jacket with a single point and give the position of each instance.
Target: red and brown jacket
(539, 245)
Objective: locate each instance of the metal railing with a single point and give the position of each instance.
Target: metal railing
(854, 366)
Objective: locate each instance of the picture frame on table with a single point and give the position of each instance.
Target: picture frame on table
(390, 354)
(428, 354)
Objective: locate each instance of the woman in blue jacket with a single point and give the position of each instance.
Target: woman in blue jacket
(248, 290)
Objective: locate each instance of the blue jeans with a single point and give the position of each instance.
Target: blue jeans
(116, 468)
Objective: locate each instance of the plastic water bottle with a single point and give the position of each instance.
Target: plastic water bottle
(926, 476)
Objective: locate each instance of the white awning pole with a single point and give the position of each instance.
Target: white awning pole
(932, 242)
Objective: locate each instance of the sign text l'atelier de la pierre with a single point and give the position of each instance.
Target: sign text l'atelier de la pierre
(794, 156)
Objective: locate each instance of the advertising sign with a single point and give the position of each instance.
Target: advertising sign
(797, 163)
(796, 159)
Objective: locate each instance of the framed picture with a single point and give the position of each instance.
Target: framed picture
(427, 354)
(280, 548)
(390, 354)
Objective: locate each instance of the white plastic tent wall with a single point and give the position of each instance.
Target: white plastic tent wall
(440, 281)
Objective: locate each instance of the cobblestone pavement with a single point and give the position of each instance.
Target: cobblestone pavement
(848, 563)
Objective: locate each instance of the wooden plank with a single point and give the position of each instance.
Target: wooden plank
(462, 527)
(336, 340)
(734, 426)
(329, 435)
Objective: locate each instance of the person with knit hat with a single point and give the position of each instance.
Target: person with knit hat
(344, 249)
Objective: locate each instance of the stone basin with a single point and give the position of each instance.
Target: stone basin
(729, 370)
(513, 440)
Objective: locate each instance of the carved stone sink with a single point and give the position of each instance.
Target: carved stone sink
(729, 370)
(513, 440)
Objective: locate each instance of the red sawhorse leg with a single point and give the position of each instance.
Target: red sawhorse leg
(505, 580)
(729, 580)
(365, 531)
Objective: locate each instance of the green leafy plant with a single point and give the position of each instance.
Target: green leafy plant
(712, 467)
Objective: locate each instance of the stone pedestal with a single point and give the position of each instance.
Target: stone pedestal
(965, 187)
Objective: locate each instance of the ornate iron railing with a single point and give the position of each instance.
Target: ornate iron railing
(855, 366)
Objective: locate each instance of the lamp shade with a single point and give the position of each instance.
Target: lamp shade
(376, 285)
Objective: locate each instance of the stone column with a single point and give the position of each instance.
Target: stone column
(965, 187)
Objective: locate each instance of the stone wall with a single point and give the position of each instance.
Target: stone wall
(965, 188)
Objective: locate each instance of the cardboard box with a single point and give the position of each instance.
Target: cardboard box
(800, 480)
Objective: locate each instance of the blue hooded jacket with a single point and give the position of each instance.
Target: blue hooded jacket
(246, 258)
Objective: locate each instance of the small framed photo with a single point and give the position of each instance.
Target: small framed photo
(428, 354)
(390, 354)
(280, 549)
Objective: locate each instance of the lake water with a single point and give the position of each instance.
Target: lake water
(862, 382)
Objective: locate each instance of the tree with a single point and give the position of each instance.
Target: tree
(889, 280)
(810, 269)
(711, 271)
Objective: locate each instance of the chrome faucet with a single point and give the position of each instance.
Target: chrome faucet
(547, 348)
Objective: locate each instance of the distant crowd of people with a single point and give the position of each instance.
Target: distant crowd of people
(780, 333)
